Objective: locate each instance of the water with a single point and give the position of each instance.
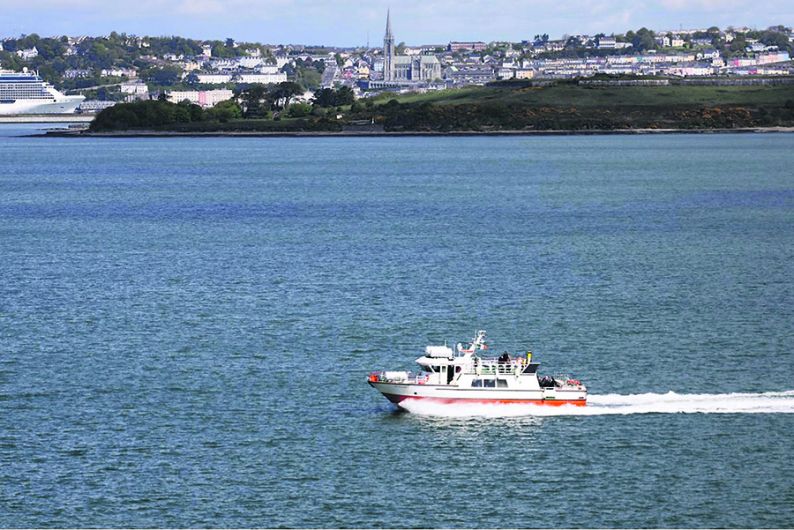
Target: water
(186, 326)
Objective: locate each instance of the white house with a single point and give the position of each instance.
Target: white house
(28, 54)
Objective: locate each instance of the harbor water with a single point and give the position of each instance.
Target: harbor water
(187, 325)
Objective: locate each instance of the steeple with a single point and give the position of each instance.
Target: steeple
(388, 50)
(388, 25)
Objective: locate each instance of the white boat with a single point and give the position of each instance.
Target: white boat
(25, 93)
(463, 376)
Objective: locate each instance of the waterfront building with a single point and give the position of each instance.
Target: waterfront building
(203, 98)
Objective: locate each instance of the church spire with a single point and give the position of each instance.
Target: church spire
(388, 25)
(388, 50)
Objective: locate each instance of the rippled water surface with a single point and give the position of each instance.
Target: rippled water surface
(186, 326)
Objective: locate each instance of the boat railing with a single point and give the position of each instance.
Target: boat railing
(398, 377)
(495, 367)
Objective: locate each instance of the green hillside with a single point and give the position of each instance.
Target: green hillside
(613, 96)
(571, 106)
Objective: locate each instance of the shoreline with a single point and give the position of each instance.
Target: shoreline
(297, 134)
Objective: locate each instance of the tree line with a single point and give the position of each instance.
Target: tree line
(252, 102)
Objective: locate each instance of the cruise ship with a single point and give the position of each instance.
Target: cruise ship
(25, 93)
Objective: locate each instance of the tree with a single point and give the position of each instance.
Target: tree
(738, 44)
(644, 39)
(281, 93)
(164, 76)
(773, 38)
(299, 110)
(328, 97)
(324, 97)
(225, 111)
(345, 96)
(255, 101)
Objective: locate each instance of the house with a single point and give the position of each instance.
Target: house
(211, 79)
(29, 54)
(265, 79)
(134, 90)
(203, 98)
(118, 72)
(524, 73)
(756, 47)
(770, 58)
(74, 73)
(708, 53)
(477, 46)
(607, 43)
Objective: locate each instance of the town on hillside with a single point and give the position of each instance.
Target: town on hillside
(125, 68)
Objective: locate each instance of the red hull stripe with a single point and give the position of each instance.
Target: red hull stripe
(394, 398)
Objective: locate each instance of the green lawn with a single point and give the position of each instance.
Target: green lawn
(565, 94)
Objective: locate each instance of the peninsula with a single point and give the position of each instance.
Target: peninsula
(594, 105)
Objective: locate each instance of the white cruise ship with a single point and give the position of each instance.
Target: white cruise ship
(25, 93)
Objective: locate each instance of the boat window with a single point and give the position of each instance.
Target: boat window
(501, 383)
(489, 383)
(476, 383)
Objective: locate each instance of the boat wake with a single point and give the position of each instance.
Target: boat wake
(620, 404)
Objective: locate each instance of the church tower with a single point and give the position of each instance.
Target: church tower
(388, 51)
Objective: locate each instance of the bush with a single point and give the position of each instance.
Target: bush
(146, 114)
(224, 111)
(299, 110)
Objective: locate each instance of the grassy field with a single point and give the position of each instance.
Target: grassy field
(568, 106)
(566, 94)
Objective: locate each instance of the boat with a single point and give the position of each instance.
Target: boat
(26, 93)
(464, 376)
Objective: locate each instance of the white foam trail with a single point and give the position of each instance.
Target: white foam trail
(735, 403)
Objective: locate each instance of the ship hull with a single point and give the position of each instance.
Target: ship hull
(67, 105)
(399, 394)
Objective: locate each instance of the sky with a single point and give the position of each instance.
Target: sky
(352, 22)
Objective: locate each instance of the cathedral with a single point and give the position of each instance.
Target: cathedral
(406, 69)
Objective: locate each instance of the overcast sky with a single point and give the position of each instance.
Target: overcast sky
(350, 22)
